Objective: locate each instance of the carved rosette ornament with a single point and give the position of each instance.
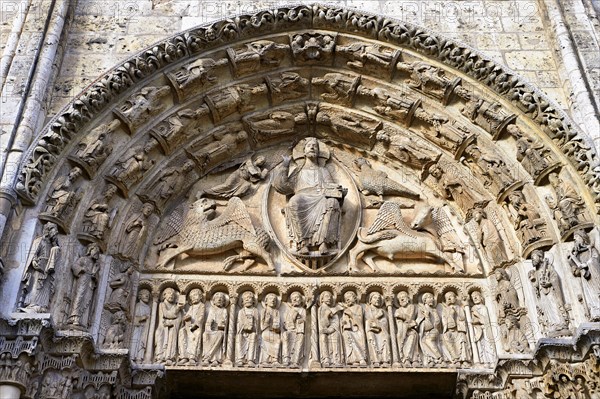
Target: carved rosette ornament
(307, 188)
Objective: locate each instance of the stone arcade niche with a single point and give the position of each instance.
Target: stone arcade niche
(307, 202)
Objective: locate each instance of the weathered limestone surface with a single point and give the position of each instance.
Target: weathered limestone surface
(308, 191)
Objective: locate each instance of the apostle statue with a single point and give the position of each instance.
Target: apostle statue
(191, 329)
(169, 320)
(141, 326)
(270, 325)
(294, 322)
(214, 330)
(353, 331)
(378, 331)
(246, 340)
(315, 199)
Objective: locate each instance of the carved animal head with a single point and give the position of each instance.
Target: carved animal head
(204, 206)
(423, 218)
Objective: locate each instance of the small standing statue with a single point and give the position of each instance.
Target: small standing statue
(213, 339)
(378, 331)
(407, 330)
(429, 324)
(481, 327)
(141, 326)
(85, 274)
(551, 304)
(134, 233)
(585, 264)
(330, 337)
(246, 342)
(191, 329)
(455, 341)
(487, 237)
(294, 321)
(353, 331)
(169, 319)
(38, 281)
(270, 325)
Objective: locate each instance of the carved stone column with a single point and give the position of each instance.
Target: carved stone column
(230, 331)
(389, 301)
(148, 356)
(9, 392)
(314, 338)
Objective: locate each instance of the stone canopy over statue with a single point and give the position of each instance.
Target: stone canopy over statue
(314, 201)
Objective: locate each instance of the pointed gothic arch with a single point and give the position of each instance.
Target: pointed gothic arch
(468, 170)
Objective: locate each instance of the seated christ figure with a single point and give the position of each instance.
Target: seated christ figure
(315, 199)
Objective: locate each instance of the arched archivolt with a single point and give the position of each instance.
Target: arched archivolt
(430, 141)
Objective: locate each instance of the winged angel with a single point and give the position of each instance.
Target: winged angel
(199, 232)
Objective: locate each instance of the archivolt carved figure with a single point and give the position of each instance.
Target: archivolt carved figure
(143, 105)
(454, 185)
(190, 330)
(483, 336)
(217, 146)
(257, 55)
(120, 286)
(286, 86)
(92, 152)
(584, 259)
(378, 331)
(530, 225)
(133, 235)
(330, 336)
(130, 168)
(429, 324)
(195, 76)
(62, 198)
(491, 116)
(449, 135)
(167, 327)
(240, 182)
(177, 127)
(215, 330)
(294, 322)
(535, 157)
(567, 204)
(141, 326)
(551, 303)
(368, 57)
(486, 233)
(246, 338)
(85, 274)
(226, 101)
(275, 125)
(429, 80)
(168, 184)
(200, 233)
(455, 340)
(407, 330)
(97, 218)
(270, 327)
(494, 170)
(390, 237)
(313, 210)
(338, 88)
(353, 331)
(38, 280)
(408, 148)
